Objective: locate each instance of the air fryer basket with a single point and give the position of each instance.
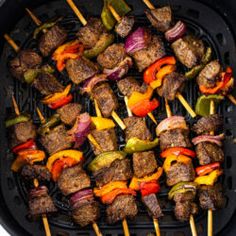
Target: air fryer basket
(203, 21)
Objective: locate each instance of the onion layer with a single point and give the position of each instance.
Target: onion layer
(176, 32)
(209, 138)
(38, 192)
(81, 196)
(90, 83)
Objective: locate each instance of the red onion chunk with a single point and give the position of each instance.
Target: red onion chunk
(176, 32)
(136, 40)
(90, 83)
(38, 192)
(82, 195)
(173, 122)
(119, 71)
(209, 138)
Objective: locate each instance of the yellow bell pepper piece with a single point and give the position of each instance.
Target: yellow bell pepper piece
(135, 182)
(102, 123)
(77, 155)
(208, 179)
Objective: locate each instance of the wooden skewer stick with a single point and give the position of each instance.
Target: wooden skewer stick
(127, 107)
(12, 43)
(96, 229)
(168, 110)
(36, 183)
(118, 120)
(114, 13)
(149, 4)
(98, 112)
(33, 17)
(156, 226)
(231, 98)
(125, 227)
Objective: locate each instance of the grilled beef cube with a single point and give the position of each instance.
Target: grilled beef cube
(174, 138)
(189, 50)
(136, 127)
(106, 99)
(69, 113)
(40, 202)
(180, 172)
(208, 76)
(172, 84)
(86, 214)
(91, 32)
(208, 124)
(154, 51)
(112, 56)
(25, 60)
(160, 18)
(39, 172)
(124, 27)
(106, 139)
(21, 132)
(152, 204)
(73, 179)
(51, 40)
(119, 170)
(124, 206)
(47, 84)
(211, 197)
(144, 163)
(80, 69)
(129, 85)
(209, 152)
(56, 140)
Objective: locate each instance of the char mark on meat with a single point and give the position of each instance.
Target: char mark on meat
(119, 170)
(105, 98)
(124, 27)
(160, 18)
(106, 139)
(73, 179)
(25, 60)
(124, 206)
(207, 124)
(136, 127)
(208, 153)
(51, 40)
(172, 84)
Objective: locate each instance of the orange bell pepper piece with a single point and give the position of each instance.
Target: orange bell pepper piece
(178, 151)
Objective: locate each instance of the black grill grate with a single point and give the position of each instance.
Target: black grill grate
(203, 22)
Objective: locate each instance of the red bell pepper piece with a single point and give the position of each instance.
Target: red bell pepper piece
(147, 188)
(206, 169)
(142, 108)
(61, 102)
(178, 151)
(150, 73)
(30, 144)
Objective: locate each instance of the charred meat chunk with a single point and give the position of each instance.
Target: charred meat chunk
(160, 18)
(180, 172)
(69, 113)
(208, 124)
(174, 138)
(208, 76)
(129, 85)
(106, 99)
(51, 40)
(25, 60)
(80, 69)
(106, 139)
(136, 127)
(56, 140)
(47, 84)
(86, 214)
(39, 172)
(172, 84)
(124, 206)
(119, 170)
(91, 32)
(189, 50)
(209, 152)
(124, 27)
(144, 163)
(40, 202)
(153, 206)
(22, 132)
(73, 179)
(112, 56)
(211, 197)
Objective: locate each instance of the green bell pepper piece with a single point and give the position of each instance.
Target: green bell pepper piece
(105, 159)
(16, 120)
(138, 145)
(51, 122)
(207, 56)
(202, 107)
(104, 41)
